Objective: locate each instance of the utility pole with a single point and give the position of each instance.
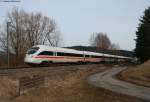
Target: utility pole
(8, 24)
(17, 50)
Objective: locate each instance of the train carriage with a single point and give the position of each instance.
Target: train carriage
(41, 54)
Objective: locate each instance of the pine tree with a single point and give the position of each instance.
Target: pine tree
(142, 50)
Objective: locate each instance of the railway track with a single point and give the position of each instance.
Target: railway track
(60, 67)
(10, 71)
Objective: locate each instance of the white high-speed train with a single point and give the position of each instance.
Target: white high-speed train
(41, 54)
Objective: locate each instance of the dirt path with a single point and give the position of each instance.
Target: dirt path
(108, 81)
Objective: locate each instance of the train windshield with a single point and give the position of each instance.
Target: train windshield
(32, 50)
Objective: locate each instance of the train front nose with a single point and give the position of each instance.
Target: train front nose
(28, 59)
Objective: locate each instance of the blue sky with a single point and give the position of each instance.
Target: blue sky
(78, 19)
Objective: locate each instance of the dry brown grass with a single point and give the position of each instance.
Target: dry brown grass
(138, 74)
(8, 88)
(71, 86)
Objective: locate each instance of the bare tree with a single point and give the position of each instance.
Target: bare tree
(114, 46)
(100, 40)
(28, 29)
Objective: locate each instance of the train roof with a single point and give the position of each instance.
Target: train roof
(93, 53)
(57, 49)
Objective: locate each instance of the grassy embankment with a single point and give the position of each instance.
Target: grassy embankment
(139, 74)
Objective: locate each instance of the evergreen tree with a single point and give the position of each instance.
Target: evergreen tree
(142, 50)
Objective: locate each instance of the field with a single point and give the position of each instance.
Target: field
(61, 86)
(138, 74)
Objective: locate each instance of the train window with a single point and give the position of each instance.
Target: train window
(32, 50)
(74, 55)
(46, 53)
(60, 54)
(96, 56)
(69, 54)
(87, 55)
